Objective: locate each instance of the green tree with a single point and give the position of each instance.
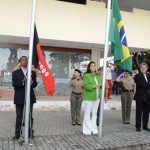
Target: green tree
(140, 57)
(12, 60)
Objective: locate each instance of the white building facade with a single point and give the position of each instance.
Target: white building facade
(70, 34)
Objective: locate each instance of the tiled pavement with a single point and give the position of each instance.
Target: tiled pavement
(53, 130)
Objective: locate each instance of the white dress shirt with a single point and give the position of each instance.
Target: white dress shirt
(108, 73)
(145, 77)
(24, 71)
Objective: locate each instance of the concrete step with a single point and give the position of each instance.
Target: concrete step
(53, 103)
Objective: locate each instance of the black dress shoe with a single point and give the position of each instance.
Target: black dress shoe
(16, 138)
(138, 129)
(98, 125)
(73, 123)
(147, 129)
(79, 124)
(127, 122)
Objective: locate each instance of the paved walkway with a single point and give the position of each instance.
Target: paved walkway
(53, 130)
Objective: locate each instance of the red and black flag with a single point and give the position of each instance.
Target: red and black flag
(39, 62)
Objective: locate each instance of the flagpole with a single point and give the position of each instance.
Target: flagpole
(104, 67)
(26, 139)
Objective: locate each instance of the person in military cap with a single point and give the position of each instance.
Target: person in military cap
(75, 93)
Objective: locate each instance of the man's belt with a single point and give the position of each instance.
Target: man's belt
(125, 90)
(76, 93)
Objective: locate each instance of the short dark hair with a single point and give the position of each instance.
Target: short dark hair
(88, 67)
(21, 58)
(78, 71)
(100, 69)
(143, 64)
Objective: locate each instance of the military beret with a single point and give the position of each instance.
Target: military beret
(78, 71)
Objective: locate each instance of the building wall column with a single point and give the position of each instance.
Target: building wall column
(95, 56)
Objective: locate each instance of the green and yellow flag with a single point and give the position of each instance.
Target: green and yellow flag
(117, 36)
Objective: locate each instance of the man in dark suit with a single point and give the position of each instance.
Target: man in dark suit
(142, 97)
(19, 78)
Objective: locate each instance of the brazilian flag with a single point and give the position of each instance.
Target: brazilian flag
(117, 36)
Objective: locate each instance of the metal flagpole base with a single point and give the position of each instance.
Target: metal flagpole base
(22, 142)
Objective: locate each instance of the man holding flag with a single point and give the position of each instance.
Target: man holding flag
(19, 80)
(39, 62)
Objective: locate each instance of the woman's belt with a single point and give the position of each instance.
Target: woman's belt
(76, 93)
(125, 90)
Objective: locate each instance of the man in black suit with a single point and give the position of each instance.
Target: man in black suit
(142, 97)
(19, 78)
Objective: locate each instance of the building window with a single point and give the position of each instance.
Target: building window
(61, 63)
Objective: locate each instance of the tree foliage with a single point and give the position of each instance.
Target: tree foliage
(140, 57)
(12, 60)
(62, 61)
